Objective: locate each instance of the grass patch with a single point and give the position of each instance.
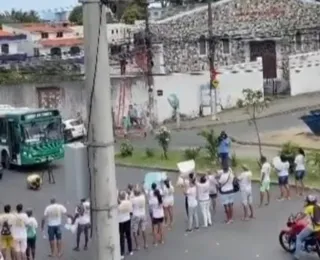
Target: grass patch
(140, 158)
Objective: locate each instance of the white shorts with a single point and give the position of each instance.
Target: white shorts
(227, 198)
(20, 245)
(246, 197)
(168, 202)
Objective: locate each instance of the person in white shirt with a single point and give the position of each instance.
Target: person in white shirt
(82, 222)
(213, 192)
(283, 178)
(156, 203)
(130, 191)
(19, 232)
(203, 188)
(300, 171)
(183, 183)
(191, 193)
(53, 216)
(226, 189)
(265, 180)
(168, 201)
(246, 192)
(124, 218)
(139, 219)
(31, 235)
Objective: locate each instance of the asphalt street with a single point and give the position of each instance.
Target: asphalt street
(257, 239)
(241, 130)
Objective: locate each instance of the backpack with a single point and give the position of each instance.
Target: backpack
(316, 215)
(6, 229)
(236, 185)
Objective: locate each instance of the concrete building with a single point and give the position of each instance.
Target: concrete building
(9, 44)
(47, 40)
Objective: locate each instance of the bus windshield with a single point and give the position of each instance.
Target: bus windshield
(41, 131)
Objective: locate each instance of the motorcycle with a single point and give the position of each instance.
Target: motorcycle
(287, 237)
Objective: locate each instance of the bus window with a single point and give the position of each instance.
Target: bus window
(3, 131)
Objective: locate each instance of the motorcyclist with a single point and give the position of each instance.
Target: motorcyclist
(308, 213)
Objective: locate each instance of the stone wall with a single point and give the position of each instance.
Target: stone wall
(239, 22)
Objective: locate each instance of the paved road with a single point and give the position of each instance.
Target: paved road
(242, 131)
(259, 237)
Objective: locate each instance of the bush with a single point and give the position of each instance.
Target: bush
(163, 137)
(150, 152)
(240, 103)
(126, 149)
(212, 143)
(191, 153)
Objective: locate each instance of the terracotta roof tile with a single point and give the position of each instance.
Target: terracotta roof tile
(48, 28)
(4, 33)
(61, 42)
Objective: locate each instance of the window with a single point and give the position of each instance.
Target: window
(3, 131)
(36, 52)
(117, 31)
(298, 41)
(5, 48)
(319, 41)
(226, 46)
(202, 45)
(44, 35)
(112, 31)
(59, 34)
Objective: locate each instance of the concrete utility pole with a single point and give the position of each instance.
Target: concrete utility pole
(213, 104)
(100, 134)
(150, 82)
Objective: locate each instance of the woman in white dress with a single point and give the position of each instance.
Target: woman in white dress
(168, 201)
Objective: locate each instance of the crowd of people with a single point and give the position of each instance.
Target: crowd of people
(140, 203)
(19, 229)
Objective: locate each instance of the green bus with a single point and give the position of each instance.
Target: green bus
(30, 136)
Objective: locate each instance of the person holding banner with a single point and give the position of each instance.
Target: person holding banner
(191, 193)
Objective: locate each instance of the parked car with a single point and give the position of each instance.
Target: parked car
(73, 129)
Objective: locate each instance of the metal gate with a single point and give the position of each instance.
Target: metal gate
(49, 97)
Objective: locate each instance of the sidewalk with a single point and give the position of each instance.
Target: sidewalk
(276, 107)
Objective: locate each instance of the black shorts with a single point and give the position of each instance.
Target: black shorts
(213, 196)
(156, 221)
(31, 243)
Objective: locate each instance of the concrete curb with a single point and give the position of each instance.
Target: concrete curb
(165, 169)
(217, 123)
(269, 145)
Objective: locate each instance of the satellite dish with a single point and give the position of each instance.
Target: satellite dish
(173, 101)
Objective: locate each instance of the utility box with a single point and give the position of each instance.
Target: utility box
(77, 177)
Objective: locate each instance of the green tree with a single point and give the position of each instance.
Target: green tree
(135, 11)
(254, 104)
(76, 15)
(211, 144)
(18, 16)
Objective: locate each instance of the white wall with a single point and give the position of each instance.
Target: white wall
(233, 79)
(13, 46)
(304, 73)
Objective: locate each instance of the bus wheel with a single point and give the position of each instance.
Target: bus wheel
(5, 160)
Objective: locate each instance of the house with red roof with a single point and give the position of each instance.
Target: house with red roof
(48, 40)
(9, 44)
